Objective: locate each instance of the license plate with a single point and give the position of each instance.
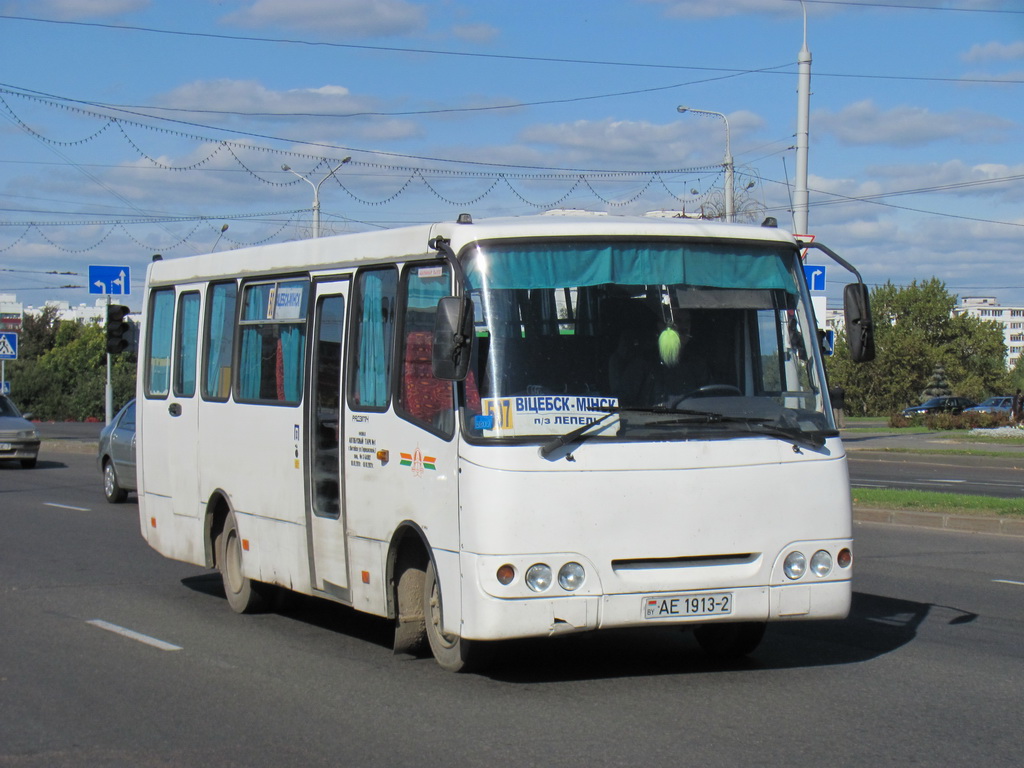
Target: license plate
(692, 604)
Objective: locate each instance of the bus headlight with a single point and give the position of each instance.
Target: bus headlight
(795, 565)
(821, 563)
(571, 576)
(538, 577)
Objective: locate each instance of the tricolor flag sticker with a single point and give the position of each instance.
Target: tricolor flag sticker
(417, 461)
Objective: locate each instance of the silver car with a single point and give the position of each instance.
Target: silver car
(19, 439)
(116, 457)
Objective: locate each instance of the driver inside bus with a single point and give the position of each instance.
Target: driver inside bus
(683, 368)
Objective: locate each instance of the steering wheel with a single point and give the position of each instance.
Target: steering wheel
(710, 390)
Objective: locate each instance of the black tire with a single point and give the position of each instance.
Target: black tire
(111, 488)
(452, 652)
(29, 463)
(244, 594)
(728, 642)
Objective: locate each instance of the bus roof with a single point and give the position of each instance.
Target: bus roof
(345, 251)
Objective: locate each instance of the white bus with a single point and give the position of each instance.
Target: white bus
(503, 429)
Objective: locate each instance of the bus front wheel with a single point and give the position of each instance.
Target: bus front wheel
(244, 594)
(452, 652)
(727, 642)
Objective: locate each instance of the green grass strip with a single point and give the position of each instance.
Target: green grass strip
(933, 501)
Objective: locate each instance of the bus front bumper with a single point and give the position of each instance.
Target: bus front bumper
(488, 618)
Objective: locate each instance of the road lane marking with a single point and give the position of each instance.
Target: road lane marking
(134, 635)
(1007, 581)
(66, 506)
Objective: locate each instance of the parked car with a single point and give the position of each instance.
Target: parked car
(939, 405)
(116, 457)
(19, 439)
(993, 405)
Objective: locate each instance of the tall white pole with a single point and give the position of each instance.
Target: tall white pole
(803, 119)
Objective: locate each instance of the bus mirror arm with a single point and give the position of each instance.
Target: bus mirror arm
(860, 329)
(453, 323)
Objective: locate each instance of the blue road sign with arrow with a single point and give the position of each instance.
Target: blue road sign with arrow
(110, 280)
(815, 276)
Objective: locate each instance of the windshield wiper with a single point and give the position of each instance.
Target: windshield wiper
(757, 424)
(570, 437)
(550, 447)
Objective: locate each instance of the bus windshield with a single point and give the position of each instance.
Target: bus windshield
(678, 339)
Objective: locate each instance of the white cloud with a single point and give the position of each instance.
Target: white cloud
(348, 18)
(321, 109)
(639, 144)
(864, 124)
(995, 52)
(703, 9)
(75, 9)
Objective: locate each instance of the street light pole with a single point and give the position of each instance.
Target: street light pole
(803, 119)
(727, 163)
(316, 192)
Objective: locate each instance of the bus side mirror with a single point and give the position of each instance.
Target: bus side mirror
(860, 330)
(453, 338)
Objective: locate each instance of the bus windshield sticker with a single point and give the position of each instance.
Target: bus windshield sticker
(543, 414)
(289, 301)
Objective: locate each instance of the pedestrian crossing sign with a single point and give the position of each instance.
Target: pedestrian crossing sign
(8, 346)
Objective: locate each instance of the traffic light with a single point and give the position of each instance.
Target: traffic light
(118, 329)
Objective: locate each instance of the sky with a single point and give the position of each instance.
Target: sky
(135, 127)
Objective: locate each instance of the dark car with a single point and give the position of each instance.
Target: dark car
(1001, 404)
(939, 405)
(19, 439)
(116, 457)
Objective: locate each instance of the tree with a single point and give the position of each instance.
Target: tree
(65, 378)
(915, 333)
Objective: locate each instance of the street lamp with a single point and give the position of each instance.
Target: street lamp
(730, 192)
(316, 192)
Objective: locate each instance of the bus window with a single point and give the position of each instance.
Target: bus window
(273, 341)
(374, 332)
(422, 398)
(186, 346)
(219, 340)
(161, 329)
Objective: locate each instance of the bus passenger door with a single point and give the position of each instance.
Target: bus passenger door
(325, 512)
(168, 445)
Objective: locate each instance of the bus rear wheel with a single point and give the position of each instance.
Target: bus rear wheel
(728, 642)
(244, 594)
(452, 652)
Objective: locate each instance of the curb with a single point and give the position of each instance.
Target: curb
(1003, 526)
(56, 445)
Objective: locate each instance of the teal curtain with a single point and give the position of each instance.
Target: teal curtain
(578, 264)
(161, 330)
(273, 334)
(375, 334)
(250, 367)
(188, 345)
(293, 338)
(220, 336)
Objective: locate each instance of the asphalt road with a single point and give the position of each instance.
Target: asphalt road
(977, 475)
(928, 670)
